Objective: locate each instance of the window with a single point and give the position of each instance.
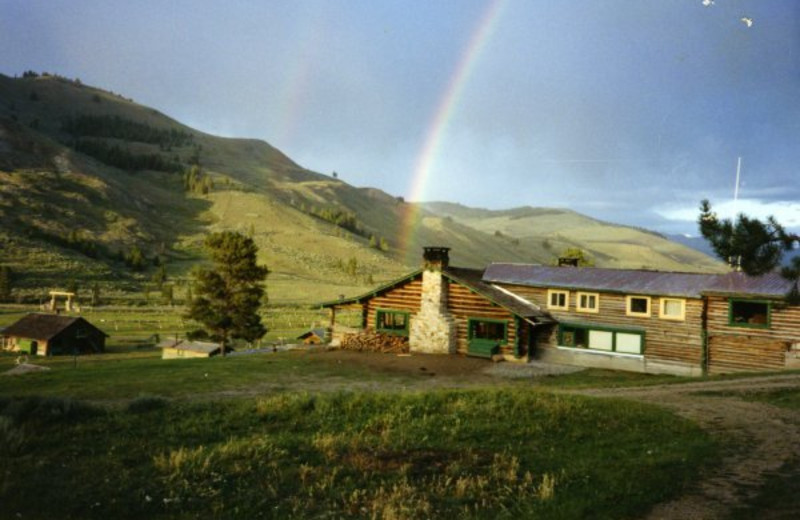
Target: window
(673, 309)
(601, 338)
(392, 322)
(557, 299)
(489, 330)
(749, 313)
(638, 306)
(588, 302)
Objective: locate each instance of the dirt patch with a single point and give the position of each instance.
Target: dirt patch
(430, 365)
(764, 439)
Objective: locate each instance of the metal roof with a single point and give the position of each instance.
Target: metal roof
(738, 283)
(633, 281)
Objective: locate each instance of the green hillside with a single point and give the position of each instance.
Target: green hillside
(549, 231)
(97, 190)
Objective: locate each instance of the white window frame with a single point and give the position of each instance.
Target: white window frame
(663, 306)
(580, 308)
(551, 292)
(629, 310)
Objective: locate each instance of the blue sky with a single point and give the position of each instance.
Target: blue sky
(625, 110)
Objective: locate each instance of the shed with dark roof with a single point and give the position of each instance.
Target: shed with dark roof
(52, 334)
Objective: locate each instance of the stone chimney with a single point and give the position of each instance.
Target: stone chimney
(433, 329)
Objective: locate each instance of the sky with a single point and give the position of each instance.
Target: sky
(631, 111)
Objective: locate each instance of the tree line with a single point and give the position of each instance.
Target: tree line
(116, 127)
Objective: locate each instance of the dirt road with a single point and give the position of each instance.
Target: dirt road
(766, 438)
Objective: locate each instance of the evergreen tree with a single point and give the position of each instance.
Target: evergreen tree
(751, 245)
(229, 295)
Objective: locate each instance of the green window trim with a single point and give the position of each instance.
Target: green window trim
(485, 336)
(583, 332)
(733, 320)
(391, 321)
(472, 322)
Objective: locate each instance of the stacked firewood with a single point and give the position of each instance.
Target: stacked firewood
(371, 341)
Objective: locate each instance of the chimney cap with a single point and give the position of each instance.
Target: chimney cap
(435, 257)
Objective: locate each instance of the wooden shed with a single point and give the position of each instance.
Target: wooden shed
(184, 349)
(51, 334)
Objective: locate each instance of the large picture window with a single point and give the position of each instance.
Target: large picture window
(392, 322)
(601, 338)
(749, 313)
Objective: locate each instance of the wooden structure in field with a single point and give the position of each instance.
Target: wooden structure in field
(647, 321)
(185, 349)
(51, 334)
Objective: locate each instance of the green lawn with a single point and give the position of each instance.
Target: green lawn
(295, 435)
(466, 454)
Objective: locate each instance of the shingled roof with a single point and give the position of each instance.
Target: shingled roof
(43, 326)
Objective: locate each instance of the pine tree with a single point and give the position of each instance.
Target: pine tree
(229, 295)
(751, 245)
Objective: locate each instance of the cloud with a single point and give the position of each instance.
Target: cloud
(787, 213)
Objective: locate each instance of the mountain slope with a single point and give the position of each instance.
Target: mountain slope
(88, 178)
(550, 231)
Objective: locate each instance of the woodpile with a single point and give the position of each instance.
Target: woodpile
(371, 341)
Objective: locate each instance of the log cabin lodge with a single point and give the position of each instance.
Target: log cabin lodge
(623, 319)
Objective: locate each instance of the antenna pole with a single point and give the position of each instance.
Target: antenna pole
(736, 188)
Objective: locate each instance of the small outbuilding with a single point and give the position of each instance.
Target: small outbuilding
(52, 334)
(184, 349)
(313, 337)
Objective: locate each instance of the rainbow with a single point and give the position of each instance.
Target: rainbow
(442, 116)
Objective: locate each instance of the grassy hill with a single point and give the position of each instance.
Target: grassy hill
(90, 179)
(549, 231)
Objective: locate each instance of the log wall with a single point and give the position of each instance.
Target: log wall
(406, 297)
(737, 348)
(666, 340)
(464, 304)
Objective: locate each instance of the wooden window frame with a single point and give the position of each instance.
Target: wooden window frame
(551, 293)
(663, 304)
(581, 308)
(732, 323)
(630, 312)
(600, 328)
(395, 332)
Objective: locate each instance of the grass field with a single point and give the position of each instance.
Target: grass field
(301, 434)
(128, 437)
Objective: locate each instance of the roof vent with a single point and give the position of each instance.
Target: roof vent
(567, 262)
